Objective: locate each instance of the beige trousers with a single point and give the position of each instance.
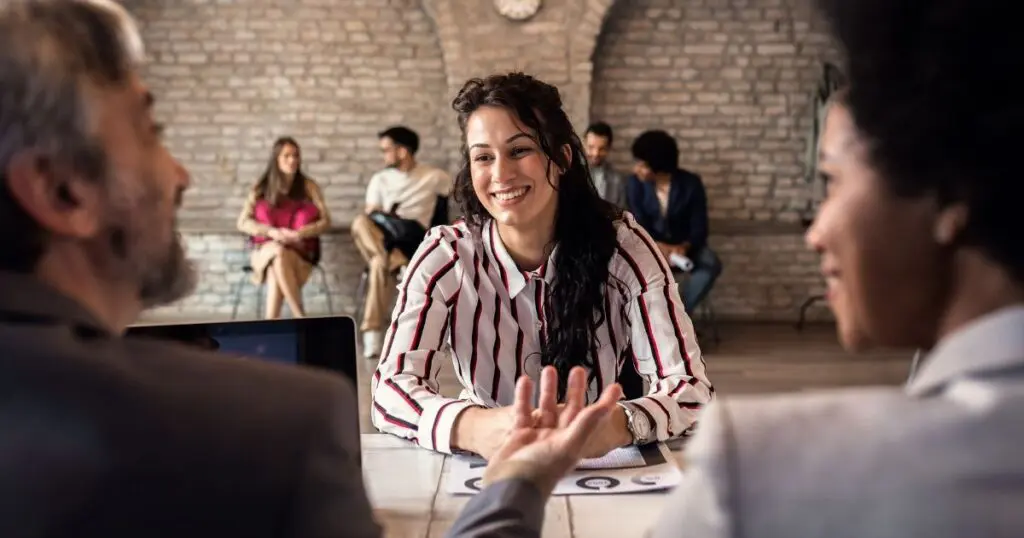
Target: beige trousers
(285, 272)
(380, 289)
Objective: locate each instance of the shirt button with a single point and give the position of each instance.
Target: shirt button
(539, 325)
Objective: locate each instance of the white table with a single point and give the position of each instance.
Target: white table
(406, 488)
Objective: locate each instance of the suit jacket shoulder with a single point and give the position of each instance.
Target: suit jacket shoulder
(160, 439)
(872, 462)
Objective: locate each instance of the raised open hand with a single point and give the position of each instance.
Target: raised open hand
(547, 442)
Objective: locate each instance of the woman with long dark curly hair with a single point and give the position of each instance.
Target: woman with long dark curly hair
(284, 215)
(542, 271)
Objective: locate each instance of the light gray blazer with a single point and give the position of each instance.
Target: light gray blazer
(943, 457)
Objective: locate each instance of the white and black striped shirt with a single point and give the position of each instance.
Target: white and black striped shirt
(463, 293)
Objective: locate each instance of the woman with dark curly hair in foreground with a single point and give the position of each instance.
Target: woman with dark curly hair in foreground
(541, 272)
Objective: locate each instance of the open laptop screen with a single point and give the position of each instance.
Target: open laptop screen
(322, 342)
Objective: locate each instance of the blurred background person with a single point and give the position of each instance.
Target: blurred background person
(609, 183)
(671, 204)
(402, 202)
(284, 216)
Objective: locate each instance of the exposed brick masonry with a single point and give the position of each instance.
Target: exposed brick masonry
(730, 78)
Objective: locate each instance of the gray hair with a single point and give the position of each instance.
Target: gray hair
(53, 53)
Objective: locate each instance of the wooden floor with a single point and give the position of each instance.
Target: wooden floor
(753, 359)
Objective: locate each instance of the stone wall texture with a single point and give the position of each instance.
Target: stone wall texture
(730, 78)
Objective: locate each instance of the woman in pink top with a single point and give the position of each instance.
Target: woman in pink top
(284, 216)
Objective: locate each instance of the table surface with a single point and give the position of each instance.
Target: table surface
(406, 488)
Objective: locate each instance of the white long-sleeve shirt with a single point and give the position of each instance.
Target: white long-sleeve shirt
(464, 293)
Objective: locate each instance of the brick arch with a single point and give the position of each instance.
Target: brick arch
(475, 41)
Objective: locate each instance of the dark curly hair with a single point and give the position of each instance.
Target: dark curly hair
(658, 149)
(584, 226)
(932, 87)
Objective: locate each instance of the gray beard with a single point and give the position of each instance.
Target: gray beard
(167, 282)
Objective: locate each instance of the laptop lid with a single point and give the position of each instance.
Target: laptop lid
(326, 342)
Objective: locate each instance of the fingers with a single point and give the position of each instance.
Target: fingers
(575, 395)
(548, 397)
(522, 407)
(586, 421)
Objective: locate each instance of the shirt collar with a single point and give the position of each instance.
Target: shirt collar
(990, 343)
(512, 277)
(30, 298)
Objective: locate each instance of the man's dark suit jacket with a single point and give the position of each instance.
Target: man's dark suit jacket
(686, 217)
(106, 437)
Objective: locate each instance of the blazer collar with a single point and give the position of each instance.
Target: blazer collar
(31, 299)
(990, 343)
(512, 277)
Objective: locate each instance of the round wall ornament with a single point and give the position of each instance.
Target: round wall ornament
(517, 10)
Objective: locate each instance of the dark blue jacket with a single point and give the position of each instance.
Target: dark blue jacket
(686, 219)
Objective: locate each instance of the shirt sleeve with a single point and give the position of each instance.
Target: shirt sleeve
(664, 345)
(702, 504)
(405, 393)
(374, 192)
(444, 183)
(247, 222)
(323, 220)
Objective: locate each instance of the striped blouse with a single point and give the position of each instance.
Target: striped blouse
(464, 296)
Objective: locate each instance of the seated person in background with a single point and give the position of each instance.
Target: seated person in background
(284, 215)
(400, 203)
(671, 204)
(104, 436)
(609, 183)
(541, 272)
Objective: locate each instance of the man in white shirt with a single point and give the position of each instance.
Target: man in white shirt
(405, 193)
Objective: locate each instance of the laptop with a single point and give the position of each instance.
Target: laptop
(327, 342)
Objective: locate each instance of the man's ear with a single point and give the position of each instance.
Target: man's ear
(60, 201)
(950, 223)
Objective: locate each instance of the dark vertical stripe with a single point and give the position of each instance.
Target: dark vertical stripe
(660, 369)
(496, 352)
(405, 289)
(429, 292)
(519, 338)
(476, 321)
(454, 331)
(666, 272)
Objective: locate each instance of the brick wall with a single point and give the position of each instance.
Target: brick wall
(230, 77)
(731, 78)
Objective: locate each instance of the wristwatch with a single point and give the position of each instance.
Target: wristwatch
(639, 424)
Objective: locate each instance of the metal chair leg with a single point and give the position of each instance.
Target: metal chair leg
(712, 319)
(803, 310)
(326, 289)
(239, 285)
(360, 296)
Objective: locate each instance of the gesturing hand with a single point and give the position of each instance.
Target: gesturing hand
(547, 442)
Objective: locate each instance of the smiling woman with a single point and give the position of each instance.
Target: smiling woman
(541, 272)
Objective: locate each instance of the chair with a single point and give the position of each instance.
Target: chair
(706, 314)
(246, 276)
(440, 218)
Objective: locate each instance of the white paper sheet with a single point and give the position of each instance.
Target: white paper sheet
(616, 472)
(620, 458)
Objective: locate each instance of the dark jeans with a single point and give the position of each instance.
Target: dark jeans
(695, 287)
